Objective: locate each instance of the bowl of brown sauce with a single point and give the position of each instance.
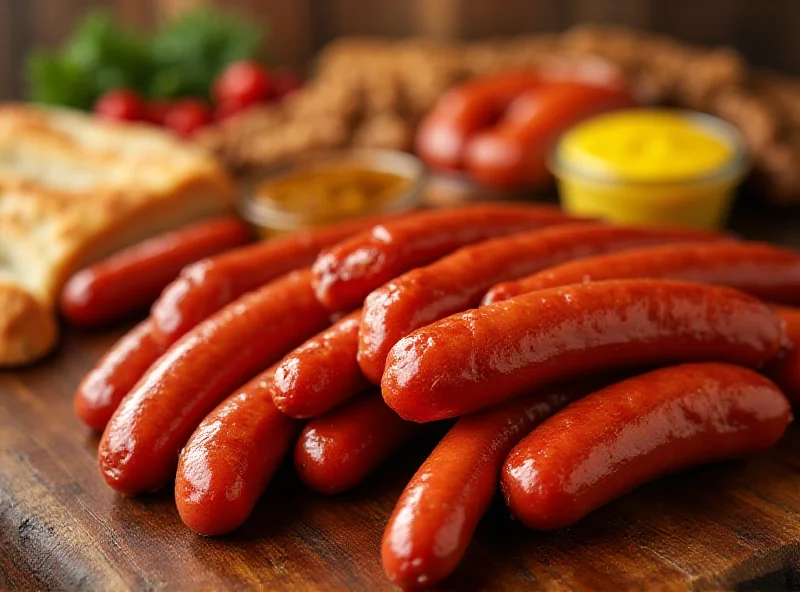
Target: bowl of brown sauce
(330, 187)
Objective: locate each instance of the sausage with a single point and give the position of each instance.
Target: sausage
(321, 373)
(338, 450)
(433, 522)
(347, 272)
(475, 359)
(132, 279)
(457, 282)
(140, 446)
(785, 368)
(463, 110)
(620, 437)
(514, 152)
(231, 458)
(101, 390)
(759, 269)
(206, 286)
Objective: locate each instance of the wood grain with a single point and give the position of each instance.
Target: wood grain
(729, 526)
(764, 31)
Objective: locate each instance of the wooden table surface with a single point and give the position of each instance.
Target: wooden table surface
(729, 526)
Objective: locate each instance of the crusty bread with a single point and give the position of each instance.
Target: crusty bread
(74, 189)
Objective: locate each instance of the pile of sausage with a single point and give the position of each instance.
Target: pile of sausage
(580, 359)
(500, 129)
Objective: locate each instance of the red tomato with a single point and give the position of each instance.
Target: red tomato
(228, 109)
(156, 111)
(283, 82)
(244, 82)
(186, 116)
(121, 104)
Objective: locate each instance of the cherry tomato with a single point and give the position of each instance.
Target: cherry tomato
(283, 82)
(121, 104)
(228, 109)
(156, 111)
(186, 116)
(244, 82)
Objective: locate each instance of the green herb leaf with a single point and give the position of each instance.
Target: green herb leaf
(181, 59)
(197, 47)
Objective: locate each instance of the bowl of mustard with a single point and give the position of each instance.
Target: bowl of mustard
(657, 167)
(327, 187)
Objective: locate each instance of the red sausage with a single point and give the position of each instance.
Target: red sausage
(514, 153)
(102, 389)
(785, 369)
(205, 287)
(132, 279)
(337, 451)
(465, 109)
(231, 458)
(762, 270)
(321, 373)
(457, 282)
(433, 522)
(478, 358)
(140, 446)
(347, 272)
(618, 438)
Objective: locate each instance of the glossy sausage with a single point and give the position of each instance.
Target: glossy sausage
(338, 450)
(206, 286)
(478, 358)
(763, 270)
(101, 390)
(231, 458)
(785, 368)
(618, 438)
(132, 279)
(140, 446)
(457, 282)
(321, 373)
(347, 272)
(462, 111)
(433, 522)
(514, 152)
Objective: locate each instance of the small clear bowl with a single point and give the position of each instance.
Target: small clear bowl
(701, 201)
(271, 217)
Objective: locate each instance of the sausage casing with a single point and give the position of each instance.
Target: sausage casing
(435, 517)
(785, 368)
(132, 279)
(205, 287)
(141, 443)
(457, 282)
(338, 450)
(101, 390)
(478, 358)
(347, 272)
(765, 271)
(629, 433)
(321, 373)
(231, 457)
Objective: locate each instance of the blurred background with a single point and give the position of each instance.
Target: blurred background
(765, 32)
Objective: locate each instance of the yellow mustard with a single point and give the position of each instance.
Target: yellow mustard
(652, 167)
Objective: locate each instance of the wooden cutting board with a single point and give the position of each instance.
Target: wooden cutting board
(729, 526)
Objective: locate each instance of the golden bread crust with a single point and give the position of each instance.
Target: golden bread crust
(74, 189)
(28, 328)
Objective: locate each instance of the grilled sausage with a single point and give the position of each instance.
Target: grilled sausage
(627, 434)
(478, 358)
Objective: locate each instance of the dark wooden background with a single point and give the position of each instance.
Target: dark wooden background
(764, 30)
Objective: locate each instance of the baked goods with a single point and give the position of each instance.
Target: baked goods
(370, 92)
(73, 189)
